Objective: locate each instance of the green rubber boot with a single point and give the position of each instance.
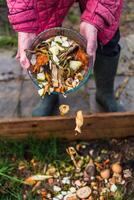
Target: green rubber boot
(104, 72)
(46, 106)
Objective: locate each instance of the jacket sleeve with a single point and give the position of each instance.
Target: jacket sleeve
(102, 13)
(22, 15)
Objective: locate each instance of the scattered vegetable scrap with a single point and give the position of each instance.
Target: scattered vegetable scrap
(79, 121)
(72, 153)
(88, 178)
(95, 170)
(59, 64)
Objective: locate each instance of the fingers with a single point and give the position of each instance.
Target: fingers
(17, 55)
(89, 31)
(21, 57)
(91, 48)
(24, 41)
(24, 62)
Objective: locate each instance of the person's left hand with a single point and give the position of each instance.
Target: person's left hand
(90, 33)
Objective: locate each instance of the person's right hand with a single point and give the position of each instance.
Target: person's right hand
(24, 41)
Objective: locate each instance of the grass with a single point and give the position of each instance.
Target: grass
(12, 153)
(7, 35)
(44, 150)
(2, 3)
(8, 41)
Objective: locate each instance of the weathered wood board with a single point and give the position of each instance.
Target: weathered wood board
(99, 125)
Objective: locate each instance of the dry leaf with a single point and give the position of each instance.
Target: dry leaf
(79, 121)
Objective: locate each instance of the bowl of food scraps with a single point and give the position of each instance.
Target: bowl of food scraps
(58, 61)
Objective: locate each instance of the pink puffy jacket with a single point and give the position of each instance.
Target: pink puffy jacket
(37, 15)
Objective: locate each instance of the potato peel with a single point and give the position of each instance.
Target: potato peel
(79, 121)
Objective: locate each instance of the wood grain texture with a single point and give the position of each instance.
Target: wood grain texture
(100, 125)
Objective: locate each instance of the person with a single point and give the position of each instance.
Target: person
(99, 25)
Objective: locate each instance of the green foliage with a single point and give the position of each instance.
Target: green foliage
(72, 17)
(8, 41)
(2, 2)
(5, 27)
(47, 150)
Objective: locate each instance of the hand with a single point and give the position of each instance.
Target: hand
(90, 33)
(24, 41)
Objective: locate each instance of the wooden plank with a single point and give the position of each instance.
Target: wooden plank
(100, 125)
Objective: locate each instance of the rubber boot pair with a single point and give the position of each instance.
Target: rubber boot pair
(104, 72)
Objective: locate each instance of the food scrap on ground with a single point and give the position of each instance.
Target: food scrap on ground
(95, 170)
(88, 178)
(59, 64)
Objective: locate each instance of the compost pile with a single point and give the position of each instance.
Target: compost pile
(95, 172)
(59, 64)
(41, 170)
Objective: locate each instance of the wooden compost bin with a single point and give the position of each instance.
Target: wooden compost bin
(100, 125)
